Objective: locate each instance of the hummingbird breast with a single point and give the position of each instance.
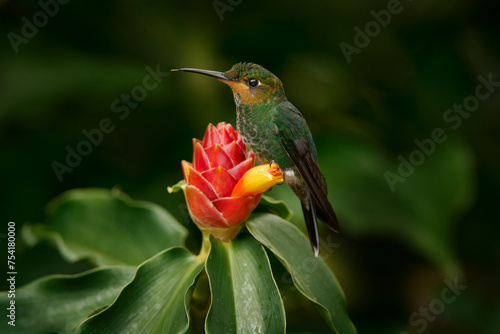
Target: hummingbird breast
(255, 124)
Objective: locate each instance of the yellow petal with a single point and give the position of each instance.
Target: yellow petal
(257, 180)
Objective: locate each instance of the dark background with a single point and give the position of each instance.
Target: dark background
(398, 250)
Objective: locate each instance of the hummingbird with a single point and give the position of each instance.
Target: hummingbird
(275, 131)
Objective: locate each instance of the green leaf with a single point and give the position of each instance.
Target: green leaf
(176, 187)
(245, 298)
(109, 227)
(311, 275)
(155, 301)
(60, 303)
(276, 206)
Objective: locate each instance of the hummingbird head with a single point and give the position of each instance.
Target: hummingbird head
(251, 83)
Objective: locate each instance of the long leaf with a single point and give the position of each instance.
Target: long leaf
(245, 298)
(311, 275)
(60, 303)
(155, 301)
(278, 207)
(108, 227)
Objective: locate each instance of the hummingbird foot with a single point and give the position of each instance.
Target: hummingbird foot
(281, 170)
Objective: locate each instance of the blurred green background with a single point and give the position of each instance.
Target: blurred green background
(399, 248)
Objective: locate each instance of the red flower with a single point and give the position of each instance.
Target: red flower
(220, 194)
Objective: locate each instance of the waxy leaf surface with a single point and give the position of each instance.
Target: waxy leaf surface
(108, 227)
(60, 303)
(157, 299)
(311, 275)
(245, 298)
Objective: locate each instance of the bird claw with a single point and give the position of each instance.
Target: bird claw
(281, 170)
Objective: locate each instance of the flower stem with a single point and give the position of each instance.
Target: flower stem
(205, 246)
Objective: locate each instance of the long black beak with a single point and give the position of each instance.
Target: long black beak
(213, 74)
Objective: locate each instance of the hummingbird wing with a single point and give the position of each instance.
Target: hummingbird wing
(296, 139)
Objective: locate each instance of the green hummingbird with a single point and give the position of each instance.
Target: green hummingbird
(275, 130)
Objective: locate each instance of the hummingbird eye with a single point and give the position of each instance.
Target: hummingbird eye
(252, 82)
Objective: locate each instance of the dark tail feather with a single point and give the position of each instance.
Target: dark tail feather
(326, 214)
(312, 225)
